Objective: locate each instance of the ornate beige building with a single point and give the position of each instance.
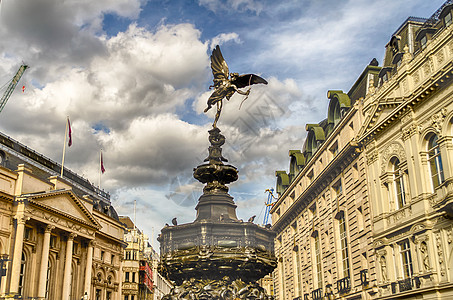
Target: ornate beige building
(407, 139)
(365, 210)
(137, 265)
(322, 218)
(59, 237)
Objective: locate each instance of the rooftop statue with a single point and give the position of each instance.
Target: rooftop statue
(224, 87)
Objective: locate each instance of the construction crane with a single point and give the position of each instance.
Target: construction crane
(11, 86)
(269, 204)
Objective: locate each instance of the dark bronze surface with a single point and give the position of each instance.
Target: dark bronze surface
(217, 256)
(225, 87)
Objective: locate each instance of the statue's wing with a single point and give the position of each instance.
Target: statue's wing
(218, 65)
(248, 79)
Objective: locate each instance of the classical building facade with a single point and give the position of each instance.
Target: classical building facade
(60, 238)
(137, 266)
(322, 218)
(365, 209)
(407, 140)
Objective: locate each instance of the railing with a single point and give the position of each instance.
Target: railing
(393, 284)
(405, 284)
(364, 277)
(317, 294)
(344, 285)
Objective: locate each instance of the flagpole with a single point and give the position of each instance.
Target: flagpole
(64, 146)
(100, 167)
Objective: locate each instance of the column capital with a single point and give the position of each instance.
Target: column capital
(49, 228)
(72, 235)
(92, 243)
(21, 219)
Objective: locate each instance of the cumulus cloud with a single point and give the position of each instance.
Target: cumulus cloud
(223, 38)
(237, 5)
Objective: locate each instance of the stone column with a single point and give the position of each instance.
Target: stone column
(67, 267)
(17, 254)
(120, 276)
(89, 267)
(44, 262)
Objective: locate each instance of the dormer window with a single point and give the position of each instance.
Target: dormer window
(447, 19)
(423, 42)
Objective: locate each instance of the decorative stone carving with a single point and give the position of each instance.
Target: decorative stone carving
(440, 56)
(383, 263)
(416, 77)
(407, 56)
(408, 132)
(404, 86)
(371, 157)
(223, 289)
(440, 254)
(437, 120)
(394, 148)
(428, 67)
(425, 256)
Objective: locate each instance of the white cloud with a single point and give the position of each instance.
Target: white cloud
(237, 5)
(223, 38)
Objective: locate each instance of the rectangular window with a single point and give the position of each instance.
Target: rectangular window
(423, 41)
(28, 233)
(337, 189)
(112, 259)
(344, 246)
(102, 255)
(126, 297)
(448, 19)
(53, 241)
(98, 294)
(406, 259)
(313, 210)
(109, 296)
(132, 297)
(133, 276)
(128, 255)
(75, 248)
(318, 260)
(127, 277)
(310, 176)
(334, 149)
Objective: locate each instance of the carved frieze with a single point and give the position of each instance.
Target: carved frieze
(440, 56)
(416, 77)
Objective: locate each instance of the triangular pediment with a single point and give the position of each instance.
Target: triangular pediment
(380, 113)
(66, 203)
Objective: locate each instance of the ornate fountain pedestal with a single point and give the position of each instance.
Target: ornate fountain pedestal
(217, 256)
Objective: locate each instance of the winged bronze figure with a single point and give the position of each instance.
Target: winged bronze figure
(225, 87)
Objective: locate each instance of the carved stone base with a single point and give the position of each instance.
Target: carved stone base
(223, 289)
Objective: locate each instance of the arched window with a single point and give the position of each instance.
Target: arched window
(23, 267)
(398, 183)
(435, 161)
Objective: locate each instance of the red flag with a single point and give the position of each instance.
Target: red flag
(102, 164)
(69, 134)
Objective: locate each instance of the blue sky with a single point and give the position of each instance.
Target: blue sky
(133, 76)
